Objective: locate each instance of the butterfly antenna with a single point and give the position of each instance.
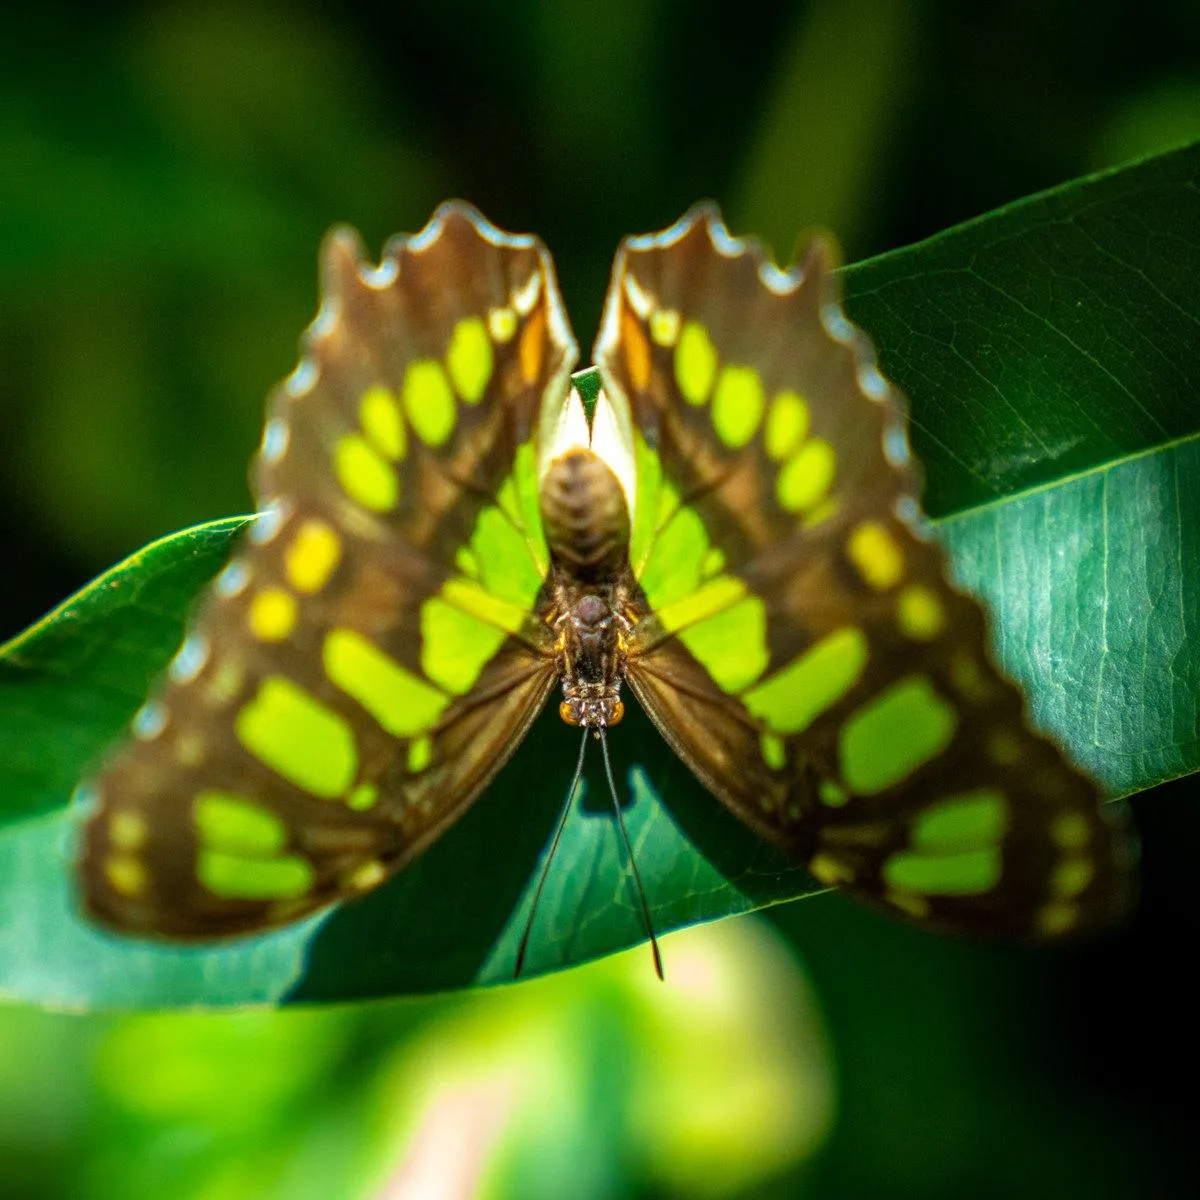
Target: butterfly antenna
(637, 879)
(562, 821)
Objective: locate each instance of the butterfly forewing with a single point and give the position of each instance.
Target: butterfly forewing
(370, 656)
(799, 643)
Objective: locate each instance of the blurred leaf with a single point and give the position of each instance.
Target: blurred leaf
(1092, 577)
(1054, 336)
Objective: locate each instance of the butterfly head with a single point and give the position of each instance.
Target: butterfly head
(589, 635)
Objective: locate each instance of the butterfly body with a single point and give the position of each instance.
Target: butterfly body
(590, 587)
(732, 535)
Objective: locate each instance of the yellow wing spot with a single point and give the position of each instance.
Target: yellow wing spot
(127, 830)
(379, 415)
(502, 324)
(469, 359)
(875, 555)
(1003, 747)
(226, 682)
(773, 751)
(826, 869)
(906, 902)
(695, 363)
(363, 797)
(787, 425)
(272, 614)
(190, 749)
(823, 512)
(365, 876)
(1071, 877)
(532, 348)
(364, 475)
(429, 402)
(1070, 831)
(664, 327)
(919, 613)
(125, 874)
(737, 407)
(805, 478)
(637, 350)
(312, 556)
(420, 754)
(1057, 917)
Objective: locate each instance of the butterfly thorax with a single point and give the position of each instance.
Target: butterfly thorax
(586, 520)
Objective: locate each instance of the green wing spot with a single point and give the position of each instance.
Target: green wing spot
(402, 703)
(805, 478)
(832, 794)
(365, 477)
(455, 645)
(469, 359)
(294, 734)
(420, 754)
(506, 566)
(737, 407)
(648, 470)
(919, 613)
(379, 415)
(676, 560)
(429, 402)
(732, 645)
(363, 797)
(469, 597)
(254, 878)
(695, 363)
(968, 821)
(887, 739)
(965, 874)
(787, 425)
(236, 825)
(714, 597)
(518, 497)
(796, 695)
(774, 752)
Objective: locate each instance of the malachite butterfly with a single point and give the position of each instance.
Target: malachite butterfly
(446, 533)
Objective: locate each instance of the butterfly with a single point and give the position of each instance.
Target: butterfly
(447, 534)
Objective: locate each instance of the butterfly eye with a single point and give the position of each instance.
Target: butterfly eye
(567, 713)
(617, 713)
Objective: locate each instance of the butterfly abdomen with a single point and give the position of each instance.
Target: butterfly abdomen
(585, 517)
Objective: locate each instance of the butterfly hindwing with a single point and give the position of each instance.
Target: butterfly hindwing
(800, 644)
(369, 658)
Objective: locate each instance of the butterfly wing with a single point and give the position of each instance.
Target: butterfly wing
(800, 644)
(368, 659)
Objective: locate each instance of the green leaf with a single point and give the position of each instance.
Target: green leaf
(1048, 369)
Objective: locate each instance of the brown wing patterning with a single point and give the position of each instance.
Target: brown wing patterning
(804, 650)
(369, 658)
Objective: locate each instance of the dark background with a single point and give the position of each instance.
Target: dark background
(166, 172)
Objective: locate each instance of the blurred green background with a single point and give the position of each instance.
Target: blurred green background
(166, 171)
